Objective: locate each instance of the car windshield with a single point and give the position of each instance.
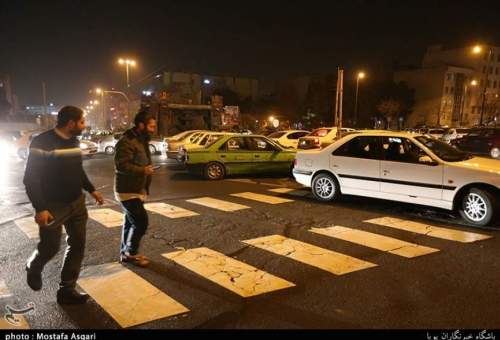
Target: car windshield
(277, 134)
(320, 132)
(444, 151)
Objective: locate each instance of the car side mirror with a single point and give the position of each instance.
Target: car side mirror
(426, 160)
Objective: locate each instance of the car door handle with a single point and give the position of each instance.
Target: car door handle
(386, 172)
(222, 156)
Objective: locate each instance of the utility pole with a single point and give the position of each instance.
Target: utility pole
(339, 100)
(488, 63)
(45, 121)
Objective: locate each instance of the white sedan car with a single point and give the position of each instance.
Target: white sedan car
(289, 138)
(403, 167)
(320, 137)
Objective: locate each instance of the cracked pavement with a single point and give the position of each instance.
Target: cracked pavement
(453, 288)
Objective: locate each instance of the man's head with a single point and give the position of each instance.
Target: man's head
(145, 123)
(70, 118)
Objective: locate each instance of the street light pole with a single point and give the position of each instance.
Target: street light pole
(360, 75)
(127, 63)
(483, 101)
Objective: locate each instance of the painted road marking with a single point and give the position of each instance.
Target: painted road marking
(428, 230)
(262, 198)
(375, 241)
(169, 211)
(325, 259)
(290, 191)
(217, 204)
(29, 227)
(17, 321)
(227, 272)
(126, 297)
(107, 217)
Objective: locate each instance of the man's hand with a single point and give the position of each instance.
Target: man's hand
(43, 218)
(98, 197)
(148, 170)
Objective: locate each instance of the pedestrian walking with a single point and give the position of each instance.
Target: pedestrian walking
(54, 178)
(133, 177)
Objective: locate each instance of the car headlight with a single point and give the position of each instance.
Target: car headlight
(83, 146)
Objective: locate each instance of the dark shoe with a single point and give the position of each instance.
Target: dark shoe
(137, 260)
(70, 296)
(34, 278)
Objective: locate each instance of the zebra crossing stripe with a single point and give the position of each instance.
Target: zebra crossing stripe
(428, 230)
(290, 191)
(7, 320)
(126, 297)
(238, 277)
(29, 227)
(217, 204)
(262, 198)
(330, 261)
(169, 211)
(107, 217)
(375, 241)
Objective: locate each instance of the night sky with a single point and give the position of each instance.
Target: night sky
(74, 45)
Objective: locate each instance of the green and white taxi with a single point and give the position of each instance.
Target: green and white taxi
(239, 154)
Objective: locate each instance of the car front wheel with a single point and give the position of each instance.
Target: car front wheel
(109, 150)
(325, 188)
(478, 207)
(495, 153)
(215, 171)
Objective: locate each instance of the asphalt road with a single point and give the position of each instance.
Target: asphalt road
(453, 288)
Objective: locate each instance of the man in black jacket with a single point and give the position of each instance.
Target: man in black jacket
(54, 179)
(133, 178)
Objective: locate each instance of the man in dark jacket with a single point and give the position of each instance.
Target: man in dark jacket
(54, 179)
(133, 178)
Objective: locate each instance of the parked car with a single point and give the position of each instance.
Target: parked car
(239, 154)
(107, 144)
(320, 137)
(88, 148)
(288, 138)
(436, 132)
(156, 146)
(454, 133)
(199, 142)
(482, 141)
(173, 143)
(403, 167)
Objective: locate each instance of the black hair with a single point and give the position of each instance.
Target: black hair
(142, 117)
(67, 114)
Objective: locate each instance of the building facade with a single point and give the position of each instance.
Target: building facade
(455, 87)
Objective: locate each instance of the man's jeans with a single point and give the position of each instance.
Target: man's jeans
(74, 218)
(134, 226)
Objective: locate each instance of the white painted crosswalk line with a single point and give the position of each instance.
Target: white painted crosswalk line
(428, 230)
(15, 321)
(29, 227)
(126, 297)
(217, 204)
(169, 211)
(290, 191)
(375, 241)
(333, 262)
(262, 198)
(107, 217)
(227, 272)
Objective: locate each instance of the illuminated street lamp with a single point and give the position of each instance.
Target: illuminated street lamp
(478, 49)
(361, 75)
(472, 83)
(127, 63)
(271, 118)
